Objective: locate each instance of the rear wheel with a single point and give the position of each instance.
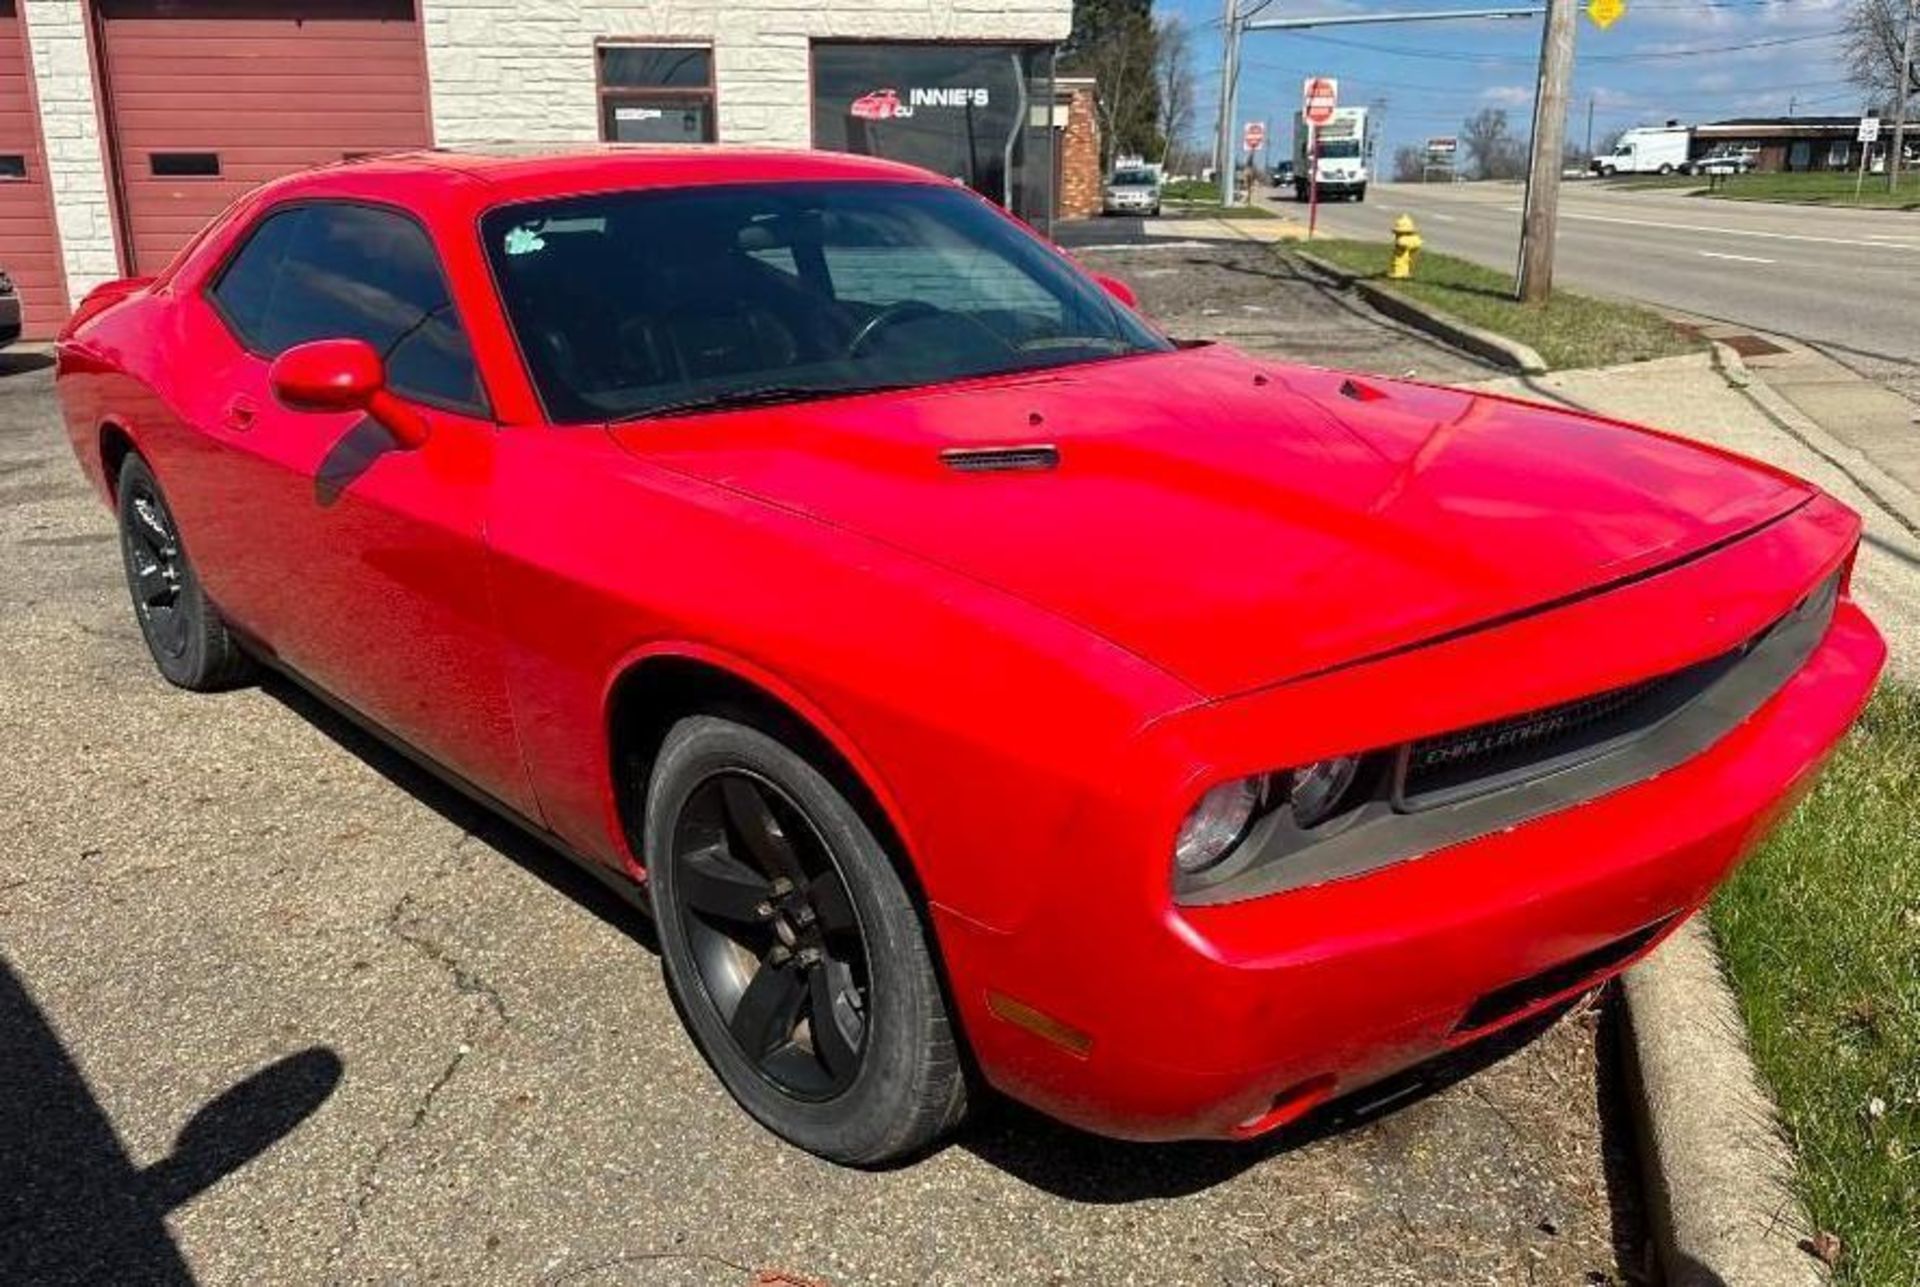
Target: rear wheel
(185, 634)
(797, 958)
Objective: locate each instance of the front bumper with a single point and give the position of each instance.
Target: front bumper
(1130, 204)
(1226, 1021)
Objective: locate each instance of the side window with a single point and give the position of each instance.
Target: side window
(244, 293)
(336, 271)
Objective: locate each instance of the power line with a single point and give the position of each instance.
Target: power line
(1456, 56)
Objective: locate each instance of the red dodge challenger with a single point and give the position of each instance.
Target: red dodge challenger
(977, 685)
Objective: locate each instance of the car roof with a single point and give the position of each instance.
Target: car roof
(509, 173)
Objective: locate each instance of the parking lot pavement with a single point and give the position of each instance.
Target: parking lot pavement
(277, 1008)
(1246, 294)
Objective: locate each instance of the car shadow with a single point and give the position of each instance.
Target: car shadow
(534, 855)
(1079, 1167)
(74, 1207)
(351, 455)
(21, 361)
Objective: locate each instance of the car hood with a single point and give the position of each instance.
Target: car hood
(1238, 522)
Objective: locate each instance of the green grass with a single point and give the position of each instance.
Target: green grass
(1569, 330)
(1646, 182)
(1821, 934)
(1190, 190)
(1201, 210)
(1832, 189)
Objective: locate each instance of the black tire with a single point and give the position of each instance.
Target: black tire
(1360, 193)
(727, 807)
(185, 634)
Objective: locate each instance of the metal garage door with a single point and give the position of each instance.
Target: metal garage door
(29, 249)
(211, 97)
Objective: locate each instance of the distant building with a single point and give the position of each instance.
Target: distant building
(1798, 143)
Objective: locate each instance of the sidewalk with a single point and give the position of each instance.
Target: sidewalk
(1695, 397)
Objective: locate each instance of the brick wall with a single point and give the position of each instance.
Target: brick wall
(70, 126)
(1080, 177)
(507, 70)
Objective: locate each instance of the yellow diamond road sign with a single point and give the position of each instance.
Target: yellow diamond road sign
(1606, 12)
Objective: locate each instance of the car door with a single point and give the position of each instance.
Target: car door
(359, 563)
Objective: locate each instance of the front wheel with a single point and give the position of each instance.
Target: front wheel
(798, 960)
(185, 634)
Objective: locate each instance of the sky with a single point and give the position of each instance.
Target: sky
(1686, 60)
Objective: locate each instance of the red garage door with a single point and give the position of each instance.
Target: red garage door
(29, 249)
(211, 97)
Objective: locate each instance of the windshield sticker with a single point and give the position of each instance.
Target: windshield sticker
(523, 240)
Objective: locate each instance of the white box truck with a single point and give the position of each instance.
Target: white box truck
(1660, 150)
(1346, 153)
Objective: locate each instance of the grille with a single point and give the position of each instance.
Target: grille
(1440, 770)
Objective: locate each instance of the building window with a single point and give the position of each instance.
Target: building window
(981, 114)
(656, 94)
(13, 165)
(184, 165)
(1837, 154)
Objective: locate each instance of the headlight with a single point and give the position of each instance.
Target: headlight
(1216, 824)
(1318, 789)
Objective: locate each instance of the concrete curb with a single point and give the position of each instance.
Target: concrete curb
(1497, 349)
(1899, 501)
(1717, 1170)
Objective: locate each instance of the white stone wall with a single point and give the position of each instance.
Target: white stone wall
(523, 70)
(70, 124)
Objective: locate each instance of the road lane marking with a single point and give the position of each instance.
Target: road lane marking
(1744, 259)
(1736, 232)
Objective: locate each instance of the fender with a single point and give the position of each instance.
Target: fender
(767, 682)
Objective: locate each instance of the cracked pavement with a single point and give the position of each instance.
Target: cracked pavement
(279, 1008)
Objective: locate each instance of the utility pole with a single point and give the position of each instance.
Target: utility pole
(1589, 127)
(1902, 99)
(1542, 207)
(1226, 146)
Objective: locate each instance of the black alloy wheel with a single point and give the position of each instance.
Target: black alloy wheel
(775, 938)
(155, 568)
(185, 633)
(795, 955)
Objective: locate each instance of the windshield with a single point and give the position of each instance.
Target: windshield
(1133, 179)
(1340, 149)
(627, 304)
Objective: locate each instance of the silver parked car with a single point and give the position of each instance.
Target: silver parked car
(1134, 191)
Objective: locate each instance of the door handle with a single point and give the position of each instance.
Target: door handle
(240, 414)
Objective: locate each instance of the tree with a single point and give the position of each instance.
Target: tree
(1114, 42)
(1876, 33)
(1492, 151)
(1174, 82)
(1409, 164)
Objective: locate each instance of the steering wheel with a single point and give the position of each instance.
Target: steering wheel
(911, 310)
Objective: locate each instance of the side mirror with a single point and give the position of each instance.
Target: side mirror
(343, 375)
(1118, 289)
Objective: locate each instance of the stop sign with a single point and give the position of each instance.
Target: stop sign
(1318, 97)
(1253, 134)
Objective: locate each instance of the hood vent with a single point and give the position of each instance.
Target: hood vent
(1001, 460)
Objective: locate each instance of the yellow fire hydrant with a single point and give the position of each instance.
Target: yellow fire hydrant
(1406, 246)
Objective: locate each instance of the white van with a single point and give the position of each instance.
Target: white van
(1647, 151)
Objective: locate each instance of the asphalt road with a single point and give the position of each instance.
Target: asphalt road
(276, 1008)
(1845, 281)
